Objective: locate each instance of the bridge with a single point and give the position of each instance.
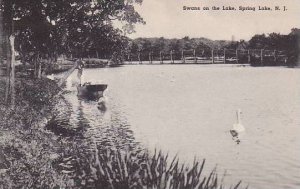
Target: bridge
(259, 57)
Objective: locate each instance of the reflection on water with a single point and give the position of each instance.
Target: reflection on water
(89, 120)
(189, 110)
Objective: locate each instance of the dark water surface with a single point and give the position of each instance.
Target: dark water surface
(189, 109)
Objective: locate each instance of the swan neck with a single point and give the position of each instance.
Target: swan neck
(238, 117)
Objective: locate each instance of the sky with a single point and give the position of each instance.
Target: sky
(166, 18)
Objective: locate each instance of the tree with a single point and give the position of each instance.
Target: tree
(47, 28)
(133, 47)
(289, 44)
(85, 23)
(258, 42)
(68, 26)
(187, 43)
(159, 45)
(294, 44)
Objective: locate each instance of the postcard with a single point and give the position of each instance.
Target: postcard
(150, 94)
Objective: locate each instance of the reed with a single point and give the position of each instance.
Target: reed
(114, 169)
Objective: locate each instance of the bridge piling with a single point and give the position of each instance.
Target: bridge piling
(249, 57)
(212, 56)
(171, 56)
(262, 57)
(224, 53)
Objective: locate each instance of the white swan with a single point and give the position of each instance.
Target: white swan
(51, 77)
(237, 127)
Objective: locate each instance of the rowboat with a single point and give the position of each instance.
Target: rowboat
(91, 91)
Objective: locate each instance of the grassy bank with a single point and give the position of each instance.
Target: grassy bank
(26, 149)
(32, 157)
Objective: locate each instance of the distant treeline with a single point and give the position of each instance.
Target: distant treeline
(274, 41)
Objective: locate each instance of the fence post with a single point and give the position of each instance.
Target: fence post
(212, 56)
(171, 56)
(195, 58)
(224, 56)
(150, 61)
(160, 57)
(261, 57)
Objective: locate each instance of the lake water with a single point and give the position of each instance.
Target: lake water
(189, 109)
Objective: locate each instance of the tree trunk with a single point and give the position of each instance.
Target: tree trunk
(35, 68)
(8, 30)
(39, 76)
(12, 70)
(8, 68)
(39, 68)
(1, 34)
